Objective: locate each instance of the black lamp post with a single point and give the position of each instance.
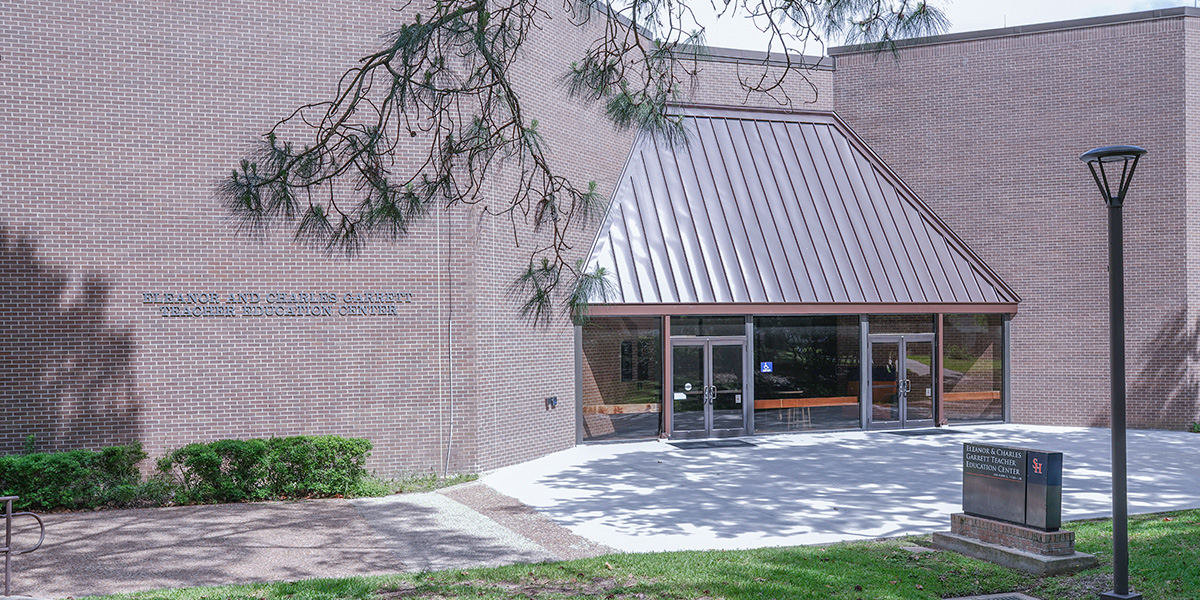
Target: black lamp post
(1104, 164)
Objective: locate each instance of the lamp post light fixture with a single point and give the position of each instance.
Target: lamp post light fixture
(1104, 163)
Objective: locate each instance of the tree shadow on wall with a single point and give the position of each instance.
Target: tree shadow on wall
(1164, 394)
(65, 376)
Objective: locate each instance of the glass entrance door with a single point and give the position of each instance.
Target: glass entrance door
(708, 383)
(918, 383)
(902, 381)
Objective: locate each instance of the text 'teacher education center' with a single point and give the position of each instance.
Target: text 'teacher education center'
(909, 241)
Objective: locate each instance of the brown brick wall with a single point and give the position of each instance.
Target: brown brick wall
(120, 116)
(988, 132)
(1009, 535)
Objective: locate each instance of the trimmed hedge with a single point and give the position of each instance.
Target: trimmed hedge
(319, 466)
(220, 471)
(75, 479)
(291, 467)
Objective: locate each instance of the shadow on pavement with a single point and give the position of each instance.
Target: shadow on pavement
(126, 550)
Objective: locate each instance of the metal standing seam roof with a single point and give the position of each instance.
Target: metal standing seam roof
(763, 207)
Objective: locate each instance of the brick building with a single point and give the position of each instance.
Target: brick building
(119, 117)
(987, 128)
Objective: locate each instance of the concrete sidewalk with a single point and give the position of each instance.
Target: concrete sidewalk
(114, 551)
(823, 487)
(590, 500)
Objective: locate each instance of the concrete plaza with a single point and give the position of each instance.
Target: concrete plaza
(824, 487)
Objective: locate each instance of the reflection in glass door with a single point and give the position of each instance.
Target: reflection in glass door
(726, 385)
(689, 392)
(918, 389)
(707, 388)
(886, 384)
(901, 381)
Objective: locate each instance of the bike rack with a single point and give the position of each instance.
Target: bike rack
(7, 549)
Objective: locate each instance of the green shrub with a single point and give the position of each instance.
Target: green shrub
(320, 466)
(220, 471)
(1195, 428)
(155, 491)
(243, 470)
(74, 479)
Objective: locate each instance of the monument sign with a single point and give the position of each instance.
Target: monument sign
(1017, 485)
(1012, 511)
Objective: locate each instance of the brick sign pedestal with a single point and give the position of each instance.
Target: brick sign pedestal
(1015, 546)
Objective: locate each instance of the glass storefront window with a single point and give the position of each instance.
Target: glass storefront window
(708, 326)
(900, 323)
(972, 368)
(806, 373)
(622, 378)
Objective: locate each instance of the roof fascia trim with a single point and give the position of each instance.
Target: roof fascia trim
(767, 113)
(758, 57)
(783, 308)
(1018, 30)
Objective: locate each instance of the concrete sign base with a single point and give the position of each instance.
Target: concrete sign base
(1036, 552)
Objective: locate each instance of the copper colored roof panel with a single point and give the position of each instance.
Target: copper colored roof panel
(777, 208)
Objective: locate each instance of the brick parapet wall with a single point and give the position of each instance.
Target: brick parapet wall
(727, 83)
(1010, 535)
(988, 132)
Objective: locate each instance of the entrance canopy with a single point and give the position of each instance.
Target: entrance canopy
(778, 212)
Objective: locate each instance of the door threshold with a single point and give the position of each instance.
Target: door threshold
(712, 443)
(924, 431)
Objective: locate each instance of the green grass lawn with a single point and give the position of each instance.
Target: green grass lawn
(1165, 550)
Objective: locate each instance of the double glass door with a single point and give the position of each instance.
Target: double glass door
(902, 381)
(708, 387)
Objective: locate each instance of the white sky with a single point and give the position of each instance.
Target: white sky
(964, 15)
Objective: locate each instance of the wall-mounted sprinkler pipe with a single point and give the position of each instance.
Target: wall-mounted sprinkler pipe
(8, 547)
(1104, 163)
